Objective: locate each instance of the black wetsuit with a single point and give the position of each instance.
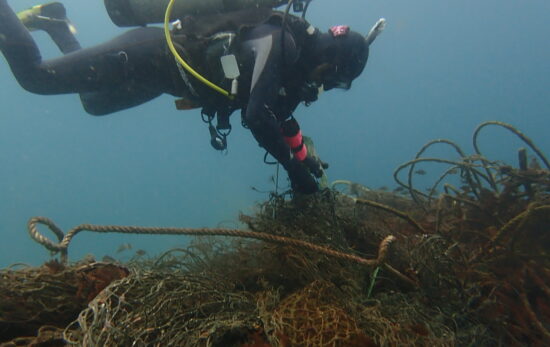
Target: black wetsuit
(126, 71)
(136, 67)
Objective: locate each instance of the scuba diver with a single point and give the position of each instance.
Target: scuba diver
(264, 62)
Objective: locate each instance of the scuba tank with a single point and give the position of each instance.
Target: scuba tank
(127, 13)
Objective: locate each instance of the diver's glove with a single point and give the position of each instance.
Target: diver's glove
(315, 165)
(300, 177)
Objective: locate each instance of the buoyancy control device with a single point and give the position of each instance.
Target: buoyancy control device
(127, 13)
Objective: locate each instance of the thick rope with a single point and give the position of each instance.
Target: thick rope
(518, 133)
(65, 240)
(420, 152)
(390, 209)
(515, 224)
(466, 164)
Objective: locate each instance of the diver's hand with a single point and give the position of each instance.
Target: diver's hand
(315, 165)
(300, 177)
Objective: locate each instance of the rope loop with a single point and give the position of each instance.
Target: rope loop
(32, 227)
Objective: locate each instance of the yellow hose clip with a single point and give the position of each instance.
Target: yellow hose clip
(180, 59)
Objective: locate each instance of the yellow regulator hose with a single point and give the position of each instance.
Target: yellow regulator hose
(180, 59)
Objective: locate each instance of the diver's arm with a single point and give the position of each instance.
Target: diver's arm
(293, 138)
(300, 151)
(264, 110)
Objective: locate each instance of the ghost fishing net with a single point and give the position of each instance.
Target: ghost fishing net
(48, 298)
(462, 264)
(165, 309)
(242, 294)
(485, 259)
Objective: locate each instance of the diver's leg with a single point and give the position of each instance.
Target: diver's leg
(52, 18)
(17, 44)
(128, 70)
(121, 98)
(63, 37)
(147, 72)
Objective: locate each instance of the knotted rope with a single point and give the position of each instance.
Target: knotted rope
(65, 239)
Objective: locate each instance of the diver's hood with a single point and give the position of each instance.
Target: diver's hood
(346, 52)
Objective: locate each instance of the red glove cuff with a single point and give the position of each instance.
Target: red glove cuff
(296, 144)
(301, 154)
(294, 141)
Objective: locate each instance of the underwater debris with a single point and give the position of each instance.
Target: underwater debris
(47, 336)
(490, 241)
(51, 295)
(469, 266)
(420, 172)
(165, 309)
(65, 239)
(313, 316)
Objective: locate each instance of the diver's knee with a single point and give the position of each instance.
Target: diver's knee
(32, 85)
(96, 104)
(95, 109)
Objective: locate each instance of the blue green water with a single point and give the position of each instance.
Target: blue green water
(439, 69)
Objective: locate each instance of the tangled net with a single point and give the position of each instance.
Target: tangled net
(312, 316)
(469, 266)
(49, 296)
(175, 310)
(491, 241)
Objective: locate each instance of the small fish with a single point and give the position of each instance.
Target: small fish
(534, 164)
(420, 172)
(108, 259)
(140, 252)
(466, 189)
(399, 189)
(383, 188)
(124, 247)
(258, 190)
